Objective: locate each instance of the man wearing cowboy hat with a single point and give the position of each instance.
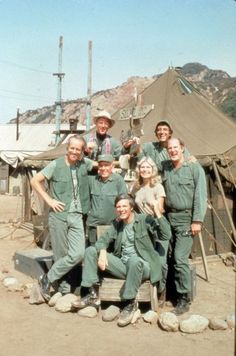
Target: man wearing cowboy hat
(100, 142)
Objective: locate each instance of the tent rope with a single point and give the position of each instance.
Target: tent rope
(221, 222)
(211, 237)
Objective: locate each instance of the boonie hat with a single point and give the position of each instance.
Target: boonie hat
(104, 114)
(105, 158)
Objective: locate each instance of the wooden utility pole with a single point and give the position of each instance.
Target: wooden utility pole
(60, 76)
(89, 89)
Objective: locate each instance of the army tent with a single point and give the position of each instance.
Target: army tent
(207, 132)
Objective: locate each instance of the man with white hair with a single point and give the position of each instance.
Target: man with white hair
(68, 200)
(101, 142)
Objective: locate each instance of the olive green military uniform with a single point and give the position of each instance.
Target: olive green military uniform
(68, 184)
(140, 261)
(186, 201)
(102, 197)
(157, 153)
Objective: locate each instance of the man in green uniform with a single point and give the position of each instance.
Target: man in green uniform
(186, 202)
(100, 142)
(68, 201)
(134, 257)
(158, 150)
(104, 188)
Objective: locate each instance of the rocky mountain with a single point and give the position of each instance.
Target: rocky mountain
(216, 85)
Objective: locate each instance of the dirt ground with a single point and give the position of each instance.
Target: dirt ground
(41, 331)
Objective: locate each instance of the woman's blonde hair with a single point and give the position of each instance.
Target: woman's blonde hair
(154, 178)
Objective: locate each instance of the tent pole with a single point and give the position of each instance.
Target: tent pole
(204, 259)
(224, 200)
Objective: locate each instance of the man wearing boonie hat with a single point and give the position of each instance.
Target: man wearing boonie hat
(104, 187)
(100, 142)
(158, 150)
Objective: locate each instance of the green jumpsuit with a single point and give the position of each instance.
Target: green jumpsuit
(186, 202)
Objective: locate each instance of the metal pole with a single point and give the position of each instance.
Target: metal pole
(224, 200)
(89, 90)
(60, 76)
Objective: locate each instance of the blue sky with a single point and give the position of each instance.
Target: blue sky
(129, 38)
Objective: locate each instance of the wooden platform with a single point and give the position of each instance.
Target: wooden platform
(110, 290)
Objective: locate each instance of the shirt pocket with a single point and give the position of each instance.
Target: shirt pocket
(61, 184)
(187, 181)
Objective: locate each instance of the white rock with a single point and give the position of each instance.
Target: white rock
(169, 321)
(194, 324)
(218, 324)
(88, 312)
(111, 313)
(53, 300)
(63, 304)
(11, 283)
(35, 295)
(230, 319)
(150, 317)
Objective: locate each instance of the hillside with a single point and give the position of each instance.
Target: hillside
(216, 85)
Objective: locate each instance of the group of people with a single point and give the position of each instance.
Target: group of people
(164, 207)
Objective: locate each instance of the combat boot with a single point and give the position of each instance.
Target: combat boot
(45, 285)
(182, 304)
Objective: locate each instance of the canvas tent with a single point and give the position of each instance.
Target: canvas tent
(206, 131)
(33, 139)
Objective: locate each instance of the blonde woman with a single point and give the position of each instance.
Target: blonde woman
(147, 190)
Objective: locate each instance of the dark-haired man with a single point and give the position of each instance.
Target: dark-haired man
(134, 257)
(158, 150)
(68, 201)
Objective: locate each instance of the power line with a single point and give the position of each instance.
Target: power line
(24, 99)
(24, 94)
(24, 67)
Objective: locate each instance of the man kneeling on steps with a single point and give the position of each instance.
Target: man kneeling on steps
(134, 257)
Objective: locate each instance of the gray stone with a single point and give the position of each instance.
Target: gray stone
(169, 321)
(53, 300)
(230, 319)
(194, 324)
(35, 295)
(88, 312)
(136, 316)
(64, 304)
(150, 317)
(218, 324)
(12, 284)
(111, 313)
